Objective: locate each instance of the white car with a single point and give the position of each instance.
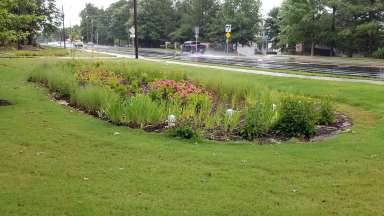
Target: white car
(78, 44)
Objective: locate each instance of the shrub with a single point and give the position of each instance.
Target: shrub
(298, 117)
(326, 115)
(91, 98)
(142, 110)
(259, 120)
(185, 131)
(379, 53)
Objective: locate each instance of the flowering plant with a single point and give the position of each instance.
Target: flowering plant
(171, 89)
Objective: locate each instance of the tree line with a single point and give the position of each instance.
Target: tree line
(160, 21)
(22, 20)
(339, 26)
(348, 26)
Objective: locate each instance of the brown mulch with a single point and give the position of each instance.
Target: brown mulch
(342, 124)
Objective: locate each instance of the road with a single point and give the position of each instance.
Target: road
(357, 68)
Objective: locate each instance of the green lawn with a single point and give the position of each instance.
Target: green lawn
(48, 52)
(55, 161)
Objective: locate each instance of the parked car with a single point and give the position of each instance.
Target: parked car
(78, 44)
(193, 47)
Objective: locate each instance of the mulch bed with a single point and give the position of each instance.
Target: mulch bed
(342, 124)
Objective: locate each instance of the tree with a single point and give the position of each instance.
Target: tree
(23, 19)
(120, 21)
(156, 21)
(360, 24)
(272, 27)
(197, 13)
(303, 21)
(244, 16)
(7, 30)
(349, 26)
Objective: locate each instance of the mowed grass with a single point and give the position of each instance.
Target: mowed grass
(56, 161)
(46, 51)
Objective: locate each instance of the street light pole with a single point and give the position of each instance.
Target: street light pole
(135, 26)
(62, 10)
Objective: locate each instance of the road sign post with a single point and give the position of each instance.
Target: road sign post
(135, 26)
(197, 32)
(228, 30)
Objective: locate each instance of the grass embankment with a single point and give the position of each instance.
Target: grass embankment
(47, 52)
(58, 162)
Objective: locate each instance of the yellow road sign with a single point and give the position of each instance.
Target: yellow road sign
(228, 35)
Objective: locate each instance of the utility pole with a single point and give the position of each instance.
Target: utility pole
(62, 11)
(135, 26)
(92, 39)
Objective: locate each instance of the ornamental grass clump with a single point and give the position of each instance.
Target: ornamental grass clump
(115, 110)
(326, 115)
(141, 110)
(260, 119)
(231, 120)
(61, 82)
(92, 98)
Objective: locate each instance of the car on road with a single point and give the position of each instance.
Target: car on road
(193, 47)
(78, 44)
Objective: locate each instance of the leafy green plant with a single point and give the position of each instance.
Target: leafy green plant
(326, 112)
(259, 120)
(201, 107)
(298, 117)
(185, 131)
(215, 120)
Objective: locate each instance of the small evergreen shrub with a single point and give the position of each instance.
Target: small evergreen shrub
(298, 117)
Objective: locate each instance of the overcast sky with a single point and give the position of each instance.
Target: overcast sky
(72, 8)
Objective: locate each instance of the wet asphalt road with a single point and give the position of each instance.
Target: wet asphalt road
(348, 68)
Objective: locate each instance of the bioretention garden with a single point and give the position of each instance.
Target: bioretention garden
(135, 137)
